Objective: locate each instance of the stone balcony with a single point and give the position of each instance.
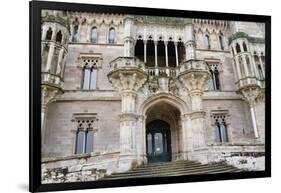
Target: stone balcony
(126, 63)
(249, 82)
(193, 65)
(51, 80)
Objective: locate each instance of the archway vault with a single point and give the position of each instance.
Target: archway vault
(167, 98)
(167, 108)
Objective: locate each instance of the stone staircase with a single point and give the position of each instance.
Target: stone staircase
(174, 168)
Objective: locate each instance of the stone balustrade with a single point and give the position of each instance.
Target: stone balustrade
(126, 63)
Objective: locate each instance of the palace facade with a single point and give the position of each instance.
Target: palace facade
(120, 91)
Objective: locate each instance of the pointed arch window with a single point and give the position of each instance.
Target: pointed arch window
(49, 34)
(245, 47)
(221, 42)
(59, 37)
(94, 35)
(84, 137)
(75, 33)
(207, 41)
(221, 133)
(89, 78)
(249, 66)
(237, 47)
(111, 36)
(214, 82)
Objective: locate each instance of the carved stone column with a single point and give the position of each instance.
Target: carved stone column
(194, 74)
(129, 42)
(189, 43)
(127, 75)
(48, 95)
(250, 94)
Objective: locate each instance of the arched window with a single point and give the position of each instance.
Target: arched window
(94, 35)
(111, 36)
(245, 47)
(221, 42)
(207, 41)
(237, 47)
(80, 136)
(220, 129)
(84, 139)
(49, 34)
(59, 37)
(214, 82)
(89, 78)
(75, 33)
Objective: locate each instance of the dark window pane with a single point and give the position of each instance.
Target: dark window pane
(223, 133)
(158, 142)
(89, 140)
(80, 141)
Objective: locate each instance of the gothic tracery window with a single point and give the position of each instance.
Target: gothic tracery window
(245, 47)
(84, 136)
(221, 133)
(237, 47)
(89, 75)
(214, 82)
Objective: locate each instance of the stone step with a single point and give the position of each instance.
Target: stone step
(159, 170)
(174, 168)
(196, 172)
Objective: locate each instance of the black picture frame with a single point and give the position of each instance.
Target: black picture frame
(35, 8)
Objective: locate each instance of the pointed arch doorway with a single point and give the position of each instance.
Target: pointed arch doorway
(158, 141)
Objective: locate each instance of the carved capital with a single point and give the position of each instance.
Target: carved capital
(250, 94)
(48, 95)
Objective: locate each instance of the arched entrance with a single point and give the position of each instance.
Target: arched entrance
(158, 141)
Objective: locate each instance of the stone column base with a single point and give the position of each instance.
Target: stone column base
(127, 162)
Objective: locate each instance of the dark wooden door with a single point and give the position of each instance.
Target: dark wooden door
(158, 141)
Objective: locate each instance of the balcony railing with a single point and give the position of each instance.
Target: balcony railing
(159, 71)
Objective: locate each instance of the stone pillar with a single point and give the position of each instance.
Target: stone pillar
(245, 66)
(255, 66)
(155, 52)
(129, 34)
(44, 32)
(166, 54)
(194, 76)
(238, 68)
(50, 57)
(144, 46)
(263, 72)
(187, 138)
(250, 94)
(59, 64)
(190, 43)
(127, 82)
(177, 57)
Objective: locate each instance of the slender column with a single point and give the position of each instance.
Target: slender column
(166, 54)
(176, 50)
(43, 120)
(50, 57)
(60, 61)
(263, 72)
(44, 32)
(253, 116)
(155, 50)
(255, 66)
(245, 66)
(144, 46)
(238, 68)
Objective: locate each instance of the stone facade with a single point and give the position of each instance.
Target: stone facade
(205, 78)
